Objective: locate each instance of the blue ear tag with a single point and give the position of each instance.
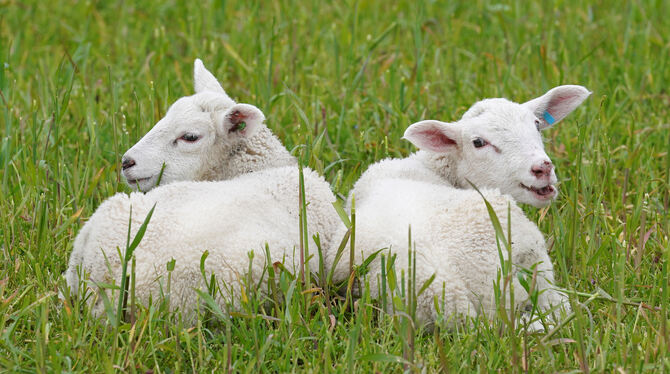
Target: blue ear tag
(548, 117)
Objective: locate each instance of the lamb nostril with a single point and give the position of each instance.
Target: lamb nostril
(548, 167)
(542, 170)
(127, 163)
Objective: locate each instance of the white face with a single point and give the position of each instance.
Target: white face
(190, 143)
(183, 140)
(194, 138)
(497, 143)
(502, 148)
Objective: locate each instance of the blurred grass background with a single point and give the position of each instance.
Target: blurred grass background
(81, 81)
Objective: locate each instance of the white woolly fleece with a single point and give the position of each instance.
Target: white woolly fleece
(454, 239)
(227, 218)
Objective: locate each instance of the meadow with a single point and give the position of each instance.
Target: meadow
(339, 81)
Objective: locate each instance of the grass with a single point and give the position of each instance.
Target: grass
(82, 81)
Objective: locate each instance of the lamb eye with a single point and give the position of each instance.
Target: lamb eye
(537, 124)
(479, 142)
(188, 137)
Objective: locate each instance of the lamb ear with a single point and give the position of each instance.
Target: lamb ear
(434, 136)
(203, 80)
(242, 120)
(557, 103)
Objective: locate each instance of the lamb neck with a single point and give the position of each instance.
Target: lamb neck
(442, 164)
(262, 151)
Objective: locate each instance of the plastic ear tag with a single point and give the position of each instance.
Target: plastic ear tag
(241, 126)
(549, 118)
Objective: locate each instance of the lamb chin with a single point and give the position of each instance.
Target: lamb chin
(146, 184)
(141, 184)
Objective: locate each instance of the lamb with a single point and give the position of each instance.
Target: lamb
(454, 240)
(204, 137)
(496, 144)
(251, 199)
(496, 147)
(227, 218)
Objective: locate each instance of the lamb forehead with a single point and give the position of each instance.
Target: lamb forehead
(201, 102)
(499, 115)
(184, 112)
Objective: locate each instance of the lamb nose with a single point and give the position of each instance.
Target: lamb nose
(127, 163)
(542, 170)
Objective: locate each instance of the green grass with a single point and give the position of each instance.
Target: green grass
(82, 81)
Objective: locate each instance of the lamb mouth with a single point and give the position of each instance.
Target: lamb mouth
(134, 181)
(543, 193)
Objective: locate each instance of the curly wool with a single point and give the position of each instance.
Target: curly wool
(454, 240)
(228, 219)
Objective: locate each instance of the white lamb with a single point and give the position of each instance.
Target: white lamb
(204, 136)
(496, 144)
(455, 240)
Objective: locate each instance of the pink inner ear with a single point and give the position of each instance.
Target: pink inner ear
(433, 136)
(436, 140)
(560, 99)
(561, 104)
